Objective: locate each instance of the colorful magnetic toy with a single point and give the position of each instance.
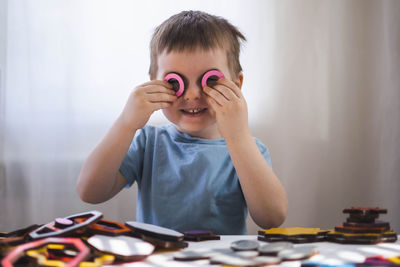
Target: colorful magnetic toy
(364, 238)
(164, 244)
(60, 254)
(106, 227)
(210, 78)
(377, 223)
(361, 227)
(159, 236)
(124, 248)
(244, 245)
(97, 261)
(200, 235)
(16, 237)
(76, 244)
(363, 214)
(381, 261)
(155, 231)
(365, 210)
(63, 226)
(86, 240)
(59, 257)
(356, 229)
(293, 234)
(177, 83)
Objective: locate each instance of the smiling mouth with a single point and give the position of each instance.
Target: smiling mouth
(193, 111)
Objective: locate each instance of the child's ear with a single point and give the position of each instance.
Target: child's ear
(239, 80)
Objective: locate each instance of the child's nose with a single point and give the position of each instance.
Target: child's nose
(193, 92)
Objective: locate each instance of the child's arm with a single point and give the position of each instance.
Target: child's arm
(264, 193)
(100, 179)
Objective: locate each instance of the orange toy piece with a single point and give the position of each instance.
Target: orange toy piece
(106, 227)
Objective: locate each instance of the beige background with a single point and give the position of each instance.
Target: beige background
(321, 80)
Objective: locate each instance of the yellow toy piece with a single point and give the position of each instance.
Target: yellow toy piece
(291, 231)
(363, 234)
(40, 254)
(98, 261)
(293, 234)
(395, 260)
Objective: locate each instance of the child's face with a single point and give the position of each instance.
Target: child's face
(191, 66)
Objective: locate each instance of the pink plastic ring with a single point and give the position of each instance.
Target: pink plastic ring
(175, 76)
(208, 75)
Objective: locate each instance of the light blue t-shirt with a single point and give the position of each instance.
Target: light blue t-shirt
(186, 183)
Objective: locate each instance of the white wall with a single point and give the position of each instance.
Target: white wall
(3, 30)
(335, 130)
(321, 82)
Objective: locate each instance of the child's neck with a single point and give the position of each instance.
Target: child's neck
(210, 132)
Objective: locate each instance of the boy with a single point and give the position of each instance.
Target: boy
(204, 170)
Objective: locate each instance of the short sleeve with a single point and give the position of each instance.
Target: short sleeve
(132, 165)
(264, 151)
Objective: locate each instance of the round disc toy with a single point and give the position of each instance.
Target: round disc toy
(274, 248)
(123, 247)
(177, 83)
(243, 245)
(211, 76)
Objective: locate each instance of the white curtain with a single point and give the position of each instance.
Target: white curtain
(321, 81)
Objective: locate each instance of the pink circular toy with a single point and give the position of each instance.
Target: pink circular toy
(177, 83)
(210, 74)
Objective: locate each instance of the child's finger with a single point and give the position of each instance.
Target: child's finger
(225, 91)
(157, 82)
(231, 85)
(216, 95)
(161, 98)
(158, 90)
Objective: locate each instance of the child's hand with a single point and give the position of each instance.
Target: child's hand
(144, 100)
(229, 105)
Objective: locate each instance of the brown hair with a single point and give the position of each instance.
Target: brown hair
(190, 30)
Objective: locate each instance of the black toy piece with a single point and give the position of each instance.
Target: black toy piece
(159, 236)
(164, 244)
(16, 237)
(365, 210)
(297, 235)
(361, 227)
(200, 235)
(377, 223)
(366, 238)
(155, 231)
